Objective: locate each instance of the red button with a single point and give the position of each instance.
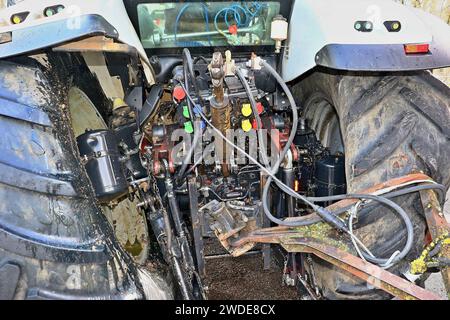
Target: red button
(260, 107)
(179, 94)
(233, 29)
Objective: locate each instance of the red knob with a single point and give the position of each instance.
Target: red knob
(260, 107)
(255, 124)
(233, 29)
(179, 94)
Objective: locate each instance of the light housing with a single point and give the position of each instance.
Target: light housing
(393, 26)
(20, 17)
(363, 26)
(417, 48)
(51, 11)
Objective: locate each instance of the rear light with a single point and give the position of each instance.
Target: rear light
(18, 18)
(51, 11)
(364, 26)
(393, 26)
(417, 48)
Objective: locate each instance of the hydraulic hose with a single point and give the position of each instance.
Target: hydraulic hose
(323, 213)
(188, 66)
(438, 187)
(319, 210)
(276, 167)
(326, 216)
(256, 113)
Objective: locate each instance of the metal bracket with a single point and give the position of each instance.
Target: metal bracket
(196, 226)
(437, 226)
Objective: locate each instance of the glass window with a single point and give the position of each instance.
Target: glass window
(194, 24)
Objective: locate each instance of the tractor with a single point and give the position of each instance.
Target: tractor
(136, 134)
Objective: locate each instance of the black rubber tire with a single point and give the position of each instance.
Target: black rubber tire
(391, 125)
(54, 241)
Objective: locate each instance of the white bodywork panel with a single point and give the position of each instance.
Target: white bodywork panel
(316, 23)
(313, 25)
(112, 10)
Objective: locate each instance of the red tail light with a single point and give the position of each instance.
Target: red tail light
(417, 48)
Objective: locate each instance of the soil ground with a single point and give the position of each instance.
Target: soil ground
(244, 278)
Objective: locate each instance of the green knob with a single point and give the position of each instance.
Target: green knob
(188, 127)
(186, 113)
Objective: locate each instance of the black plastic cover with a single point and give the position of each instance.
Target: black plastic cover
(99, 149)
(126, 135)
(329, 176)
(150, 104)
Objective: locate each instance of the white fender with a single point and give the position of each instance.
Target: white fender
(314, 24)
(113, 11)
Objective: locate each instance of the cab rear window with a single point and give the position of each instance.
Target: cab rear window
(196, 24)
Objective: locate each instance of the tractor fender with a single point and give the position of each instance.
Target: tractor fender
(79, 19)
(323, 33)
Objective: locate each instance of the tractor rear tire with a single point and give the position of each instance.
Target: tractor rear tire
(55, 243)
(388, 125)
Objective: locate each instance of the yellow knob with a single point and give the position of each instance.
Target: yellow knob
(246, 125)
(247, 110)
(118, 103)
(16, 19)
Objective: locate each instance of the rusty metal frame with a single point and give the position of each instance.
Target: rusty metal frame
(293, 241)
(437, 226)
(366, 271)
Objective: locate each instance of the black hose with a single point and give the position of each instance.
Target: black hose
(188, 65)
(197, 59)
(276, 167)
